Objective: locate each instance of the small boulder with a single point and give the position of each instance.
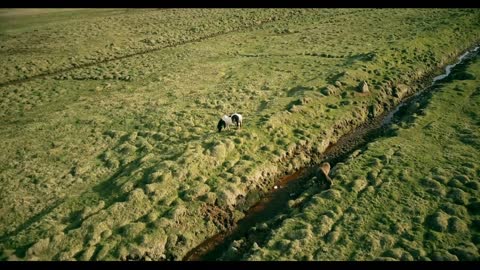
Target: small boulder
(401, 90)
(363, 87)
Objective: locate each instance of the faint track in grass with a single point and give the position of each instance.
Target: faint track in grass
(147, 51)
(129, 55)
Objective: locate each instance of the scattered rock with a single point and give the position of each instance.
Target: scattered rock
(363, 88)
(400, 90)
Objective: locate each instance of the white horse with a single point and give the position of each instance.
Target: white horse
(224, 122)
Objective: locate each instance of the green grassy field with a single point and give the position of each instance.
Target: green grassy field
(413, 195)
(108, 117)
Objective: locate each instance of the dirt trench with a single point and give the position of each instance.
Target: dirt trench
(351, 137)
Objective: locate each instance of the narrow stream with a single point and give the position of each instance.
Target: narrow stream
(448, 70)
(289, 187)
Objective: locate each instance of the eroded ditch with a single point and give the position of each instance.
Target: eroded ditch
(291, 186)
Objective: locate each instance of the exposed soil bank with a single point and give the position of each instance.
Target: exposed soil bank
(290, 186)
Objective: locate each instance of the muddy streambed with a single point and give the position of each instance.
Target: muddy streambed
(291, 186)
